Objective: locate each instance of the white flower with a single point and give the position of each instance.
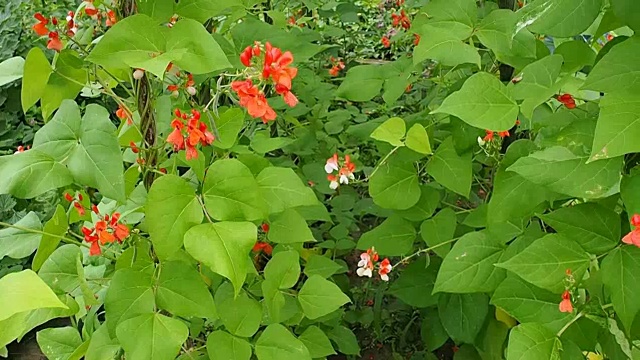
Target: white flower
(364, 272)
(365, 265)
(481, 142)
(191, 90)
(334, 185)
(344, 179)
(332, 164)
(138, 74)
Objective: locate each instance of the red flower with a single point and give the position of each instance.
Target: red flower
(265, 227)
(68, 197)
(122, 114)
(253, 100)
(401, 20)
(488, 136)
(385, 42)
(262, 246)
(41, 27)
(276, 65)
(385, 269)
(633, 237)
(134, 147)
(54, 42)
(105, 231)
(565, 304)
(95, 210)
(176, 137)
(90, 9)
(291, 20)
(111, 18)
(416, 39)
(567, 100)
(520, 4)
(503, 134)
(79, 208)
(196, 132)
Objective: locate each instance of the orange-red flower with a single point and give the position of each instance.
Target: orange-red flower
(41, 27)
(385, 269)
(90, 9)
(565, 305)
(488, 136)
(104, 232)
(252, 99)
(633, 237)
(567, 100)
(337, 66)
(276, 66)
(402, 20)
(262, 246)
(196, 132)
(385, 41)
(54, 42)
(111, 18)
(123, 114)
(503, 134)
(416, 39)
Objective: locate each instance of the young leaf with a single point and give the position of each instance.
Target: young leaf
(172, 209)
(621, 277)
(36, 75)
(24, 291)
(394, 237)
(483, 102)
(469, 267)
(16, 243)
(223, 346)
(319, 297)
(240, 314)
(450, 169)
(533, 342)
(59, 342)
(438, 230)
(391, 131)
(418, 140)
(395, 185)
(152, 336)
(545, 262)
(284, 269)
(231, 192)
(316, 342)
(289, 227)
(182, 292)
(277, 343)
(223, 247)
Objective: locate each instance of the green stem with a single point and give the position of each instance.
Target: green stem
(422, 251)
(564, 328)
(383, 161)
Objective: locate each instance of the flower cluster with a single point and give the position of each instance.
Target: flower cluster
(271, 66)
(566, 305)
(345, 171)
(367, 265)
(42, 29)
(187, 83)
(105, 231)
(336, 66)
(263, 246)
(190, 134)
(489, 136)
(633, 237)
(75, 200)
(567, 100)
(402, 19)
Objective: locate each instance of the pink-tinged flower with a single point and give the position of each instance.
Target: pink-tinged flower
(333, 181)
(332, 164)
(346, 172)
(565, 305)
(385, 269)
(367, 262)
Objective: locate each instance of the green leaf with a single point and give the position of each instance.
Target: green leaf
(130, 294)
(483, 102)
(545, 262)
(576, 54)
(618, 126)
(201, 53)
(59, 271)
(451, 170)
(152, 336)
(202, 10)
(182, 291)
(289, 227)
(36, 75)
(538, 83)
(394, 237)
(16, 243)
(490, 342)
(559, 18)
(88, 147)
(284, 269)
(223, 247)
(319, 297)
(594, 227)
(229, 125)
(462, 315)
(459, 22)
(418, 140)
(317, 342)
(362, 83)
(533, 342)
(57, 227)
(426, 205)
(495, 29)
(432, 332)
(262, 143)
(31, 173)
(160, 10)
(620, 272)
(320, 265)
(558, 169)
(273, 299)
(529, 304)
(617, 71)
(58, 343)
(443, 46)
(391, 131)
(11, 70)
(34, 318)
(277, 343)
(627, 11)
(231, 192)
(24, 291)
(629, 187)
(395, 185)
(240, 314)
(172, 209)
(345, 339)
(102, 346)
(438, 230)
(223, 346)
(65, 83)
(282, 189)
(469, 267)
(414, 286)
